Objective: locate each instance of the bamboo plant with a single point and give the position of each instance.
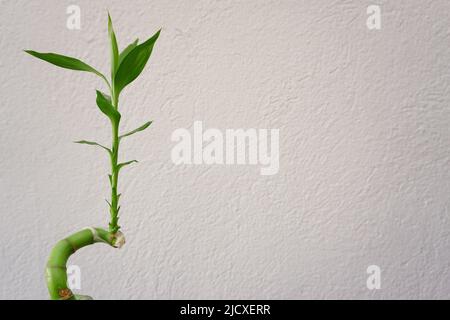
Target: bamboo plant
(126, 66)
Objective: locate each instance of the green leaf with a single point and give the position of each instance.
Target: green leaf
(127, 50)
(65, 62)
(114, 48)
(133, 64)
(92, 143)
(141, 128)
(123, 164)
(105, 106)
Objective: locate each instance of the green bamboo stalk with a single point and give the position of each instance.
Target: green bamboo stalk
(56, 270)
(126, 66)
(114, 210)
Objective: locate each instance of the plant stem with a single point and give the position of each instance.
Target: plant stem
(57, 262)
(114, 207)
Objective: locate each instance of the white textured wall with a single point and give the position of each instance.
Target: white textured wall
(364, 149)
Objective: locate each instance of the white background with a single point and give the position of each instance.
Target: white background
(364, 149)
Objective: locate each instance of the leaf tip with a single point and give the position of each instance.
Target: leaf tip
(110, 24)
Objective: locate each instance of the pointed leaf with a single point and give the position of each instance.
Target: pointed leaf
(127, 50)
(110, 179)
(105, 106)
(141, 128)
(114, 48)
(133, 64)
(92, 143)
(123, 164)
(64, 62)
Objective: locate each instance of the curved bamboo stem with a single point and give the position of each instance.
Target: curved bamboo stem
(56, 270)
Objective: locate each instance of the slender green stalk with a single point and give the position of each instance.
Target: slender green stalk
(114, 180)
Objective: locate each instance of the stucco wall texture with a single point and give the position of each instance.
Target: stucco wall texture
(364, 149)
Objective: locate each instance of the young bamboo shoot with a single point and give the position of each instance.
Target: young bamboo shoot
(126, 66)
